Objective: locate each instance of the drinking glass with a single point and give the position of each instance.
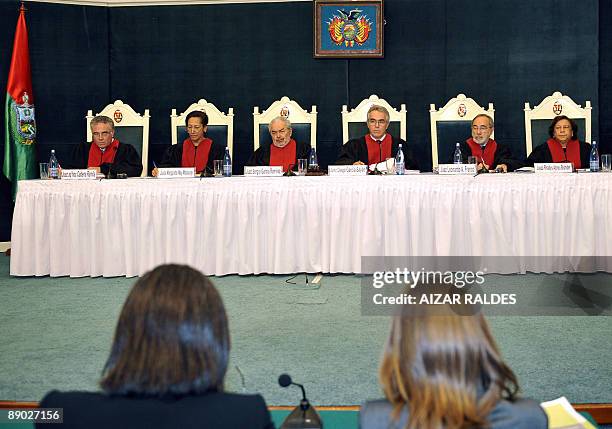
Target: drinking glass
(218, 167)
(606, 163)
(302, 167)
(44, 170)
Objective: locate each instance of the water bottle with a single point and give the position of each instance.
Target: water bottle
(53, 166)
(457, 158)
(594, 157)
(400, 167)
(227, 163)
(313, 163)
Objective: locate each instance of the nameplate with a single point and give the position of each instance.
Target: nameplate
(553, 167)
(457, 169)
(263, 171)
(175, 173)
(79, 174)
(347, 170)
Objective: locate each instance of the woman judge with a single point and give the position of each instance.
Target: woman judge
(195, 151)
(562, 146)
(167, 363)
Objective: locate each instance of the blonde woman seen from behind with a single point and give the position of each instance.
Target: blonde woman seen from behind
(441, 369)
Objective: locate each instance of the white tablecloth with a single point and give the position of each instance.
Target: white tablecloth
(305, 224)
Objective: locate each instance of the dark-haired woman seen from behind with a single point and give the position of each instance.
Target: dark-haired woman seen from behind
(441, 369)
(562, 146)
(167, 363)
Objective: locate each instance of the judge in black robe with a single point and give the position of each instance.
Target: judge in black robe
(382, 145)
(262, 155)
(126, 161)
(542, 153)
(562, 146)
(356, 151)
(490, 154)
(105, 153)
(197, 150)
(501, 156)
(174, 154)
(277, 152)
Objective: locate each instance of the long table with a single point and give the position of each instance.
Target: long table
(243, 225)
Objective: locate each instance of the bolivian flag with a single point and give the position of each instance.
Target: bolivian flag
(20, 125)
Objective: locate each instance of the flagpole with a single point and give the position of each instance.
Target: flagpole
(20, 124)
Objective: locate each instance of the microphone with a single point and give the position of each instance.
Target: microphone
(302, 416)
(289, 173)
(285, 381)
(206, 172)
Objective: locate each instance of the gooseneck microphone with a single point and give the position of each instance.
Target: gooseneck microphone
(302, 416)
(285, 381)
(289, 173)
(376, 171)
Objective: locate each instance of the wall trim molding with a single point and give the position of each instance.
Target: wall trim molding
(602, 413)
(129, 3)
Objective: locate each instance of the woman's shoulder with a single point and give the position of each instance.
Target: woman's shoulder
(518, 414)
(97, 410)
(58, 397)
(55, 397)
(377, 414)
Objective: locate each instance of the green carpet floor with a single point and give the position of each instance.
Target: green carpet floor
(56, 333)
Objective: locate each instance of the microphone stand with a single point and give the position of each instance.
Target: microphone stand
(207, 172)
(289, 171)
(303, 416)
(376, 171)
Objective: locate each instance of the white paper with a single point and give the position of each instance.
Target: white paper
(79, 174)
(175, 173)
(553, 167)
(263, 171)
(347, 170)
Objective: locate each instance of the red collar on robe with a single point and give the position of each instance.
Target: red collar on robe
(487, 155)
(571, 152)
(374, 151)
(97, 157)
(283, 156)
(196, 156)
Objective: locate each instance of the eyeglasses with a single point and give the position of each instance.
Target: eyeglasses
(480, 128)
(102, 134)
(377, 122)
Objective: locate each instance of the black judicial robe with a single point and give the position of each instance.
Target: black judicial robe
(503, 155)
(261, 156)
(173, 156)
(357, 150)
(217, 410)
(542, 153)
(126, 160)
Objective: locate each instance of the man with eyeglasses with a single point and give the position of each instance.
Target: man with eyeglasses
(105, 153)
(489, 154)
(377, 146)
(283, 150)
